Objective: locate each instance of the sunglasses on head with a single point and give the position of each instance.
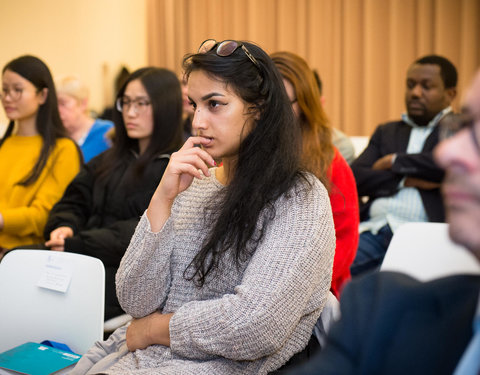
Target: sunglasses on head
(226, 48)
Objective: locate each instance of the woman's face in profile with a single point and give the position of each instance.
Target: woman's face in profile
(220, 115)
(20, 98)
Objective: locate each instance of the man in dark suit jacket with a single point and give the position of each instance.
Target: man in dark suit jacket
(396, 172)
(393, 324)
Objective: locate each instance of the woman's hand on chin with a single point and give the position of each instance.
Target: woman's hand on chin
(187, 163)
(184, 165)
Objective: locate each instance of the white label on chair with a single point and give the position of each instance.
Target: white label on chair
(56, 274)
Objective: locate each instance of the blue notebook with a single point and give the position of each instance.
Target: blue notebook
(36, 359)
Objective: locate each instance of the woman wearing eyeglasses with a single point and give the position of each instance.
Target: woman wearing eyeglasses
(322, 158)
(101, 207)
(230, 266)
(37, 159)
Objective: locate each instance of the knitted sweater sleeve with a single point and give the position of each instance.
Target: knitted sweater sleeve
(287, 279)
(143, 264)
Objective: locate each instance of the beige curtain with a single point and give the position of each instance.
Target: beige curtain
(361, 48)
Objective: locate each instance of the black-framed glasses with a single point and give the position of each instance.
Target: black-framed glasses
(15, 93)
(226, 48)
(452, 123)
(123, 104)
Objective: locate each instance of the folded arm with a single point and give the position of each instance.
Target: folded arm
(381, 169)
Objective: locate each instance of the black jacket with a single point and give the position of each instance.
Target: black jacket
(393, 324)
(104, 217)
(391, 138)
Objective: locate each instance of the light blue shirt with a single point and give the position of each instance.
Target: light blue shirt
(406, 205)
(470, 361)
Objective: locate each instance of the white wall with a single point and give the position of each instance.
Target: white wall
(88, 38)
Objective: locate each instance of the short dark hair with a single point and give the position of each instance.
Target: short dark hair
(448, 72)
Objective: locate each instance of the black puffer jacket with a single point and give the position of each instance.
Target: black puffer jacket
(104, 217)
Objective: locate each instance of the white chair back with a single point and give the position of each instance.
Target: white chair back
(426, 252)
(359, 142)
(30, 312)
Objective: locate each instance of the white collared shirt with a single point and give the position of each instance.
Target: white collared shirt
(405, 205)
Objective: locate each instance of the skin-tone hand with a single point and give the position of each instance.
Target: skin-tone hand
(57, 238)
(186, 164)
(384, 163)
(150, 330)
(420, 184)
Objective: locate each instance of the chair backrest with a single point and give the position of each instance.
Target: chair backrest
(426, 252)
(30, 312)
(359, 143)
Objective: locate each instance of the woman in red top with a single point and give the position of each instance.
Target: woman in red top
(322, 158)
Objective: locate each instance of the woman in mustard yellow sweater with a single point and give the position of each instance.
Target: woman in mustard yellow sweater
(37, 159)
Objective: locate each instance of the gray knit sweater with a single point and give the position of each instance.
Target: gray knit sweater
(243, 321)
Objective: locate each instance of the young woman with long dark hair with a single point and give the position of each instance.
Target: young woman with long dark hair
(101, 207)
(37, 159)
(230, 266)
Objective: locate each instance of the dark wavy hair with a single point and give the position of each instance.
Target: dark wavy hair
(268, 164)
(165, 95)
(48, 123)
